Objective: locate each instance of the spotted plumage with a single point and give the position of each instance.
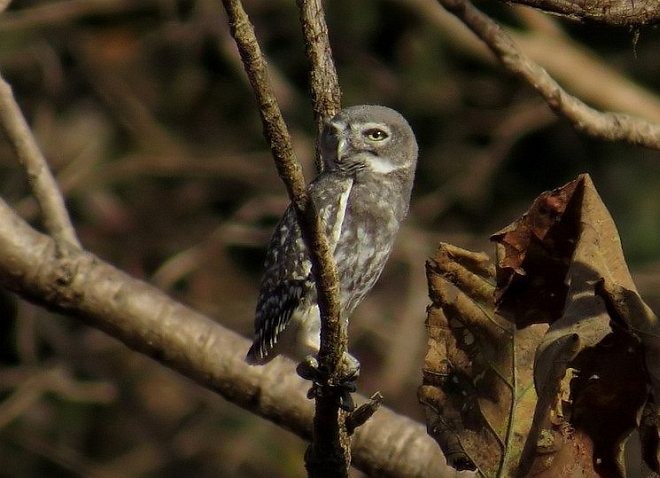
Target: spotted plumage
(370, 154)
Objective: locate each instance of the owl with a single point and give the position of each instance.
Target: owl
(362, 196)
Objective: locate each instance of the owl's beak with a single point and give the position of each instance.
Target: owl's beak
(343, 144)
(342, 148)
(338, 130)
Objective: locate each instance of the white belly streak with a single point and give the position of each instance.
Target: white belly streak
(339, 220)
(302, 335)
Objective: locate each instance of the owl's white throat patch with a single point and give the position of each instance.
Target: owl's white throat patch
(381, 165)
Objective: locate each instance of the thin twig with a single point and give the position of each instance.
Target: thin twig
(324, 84)
(602, 125)
(364, 412)
(44, 187)
(331, 440)
(141, 316)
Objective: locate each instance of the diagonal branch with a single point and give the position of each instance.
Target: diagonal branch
(607, 12)
(80, 284)
(602, 125)
(324, 84)
(330, 440)
(44, 187)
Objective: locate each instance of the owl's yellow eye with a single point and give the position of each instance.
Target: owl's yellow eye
(375, 134)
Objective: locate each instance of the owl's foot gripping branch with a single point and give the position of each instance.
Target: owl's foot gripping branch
(342, 388)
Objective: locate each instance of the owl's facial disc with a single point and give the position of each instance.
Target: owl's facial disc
(354, 147)
(354, 142)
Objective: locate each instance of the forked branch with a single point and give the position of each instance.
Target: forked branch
(330, 442)
(44, 187)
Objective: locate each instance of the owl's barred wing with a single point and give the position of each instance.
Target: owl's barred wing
(282, 287)
(287, 280)
(273, 314)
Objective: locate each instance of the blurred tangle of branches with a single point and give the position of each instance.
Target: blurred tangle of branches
(144, 112)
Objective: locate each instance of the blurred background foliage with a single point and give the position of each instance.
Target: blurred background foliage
(144, 112)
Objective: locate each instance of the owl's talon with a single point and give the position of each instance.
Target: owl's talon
(343, 391)
(309, 370)
(349, 385)
(346, 402)
(346, 387)
(311, 393)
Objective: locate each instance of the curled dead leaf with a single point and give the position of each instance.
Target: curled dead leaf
(478, 385)
(542, 364)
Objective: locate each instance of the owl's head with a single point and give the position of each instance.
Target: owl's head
(369, 139)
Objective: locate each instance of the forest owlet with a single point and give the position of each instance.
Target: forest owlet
(362, 195)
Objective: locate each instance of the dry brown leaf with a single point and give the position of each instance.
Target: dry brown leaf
(610, 385)
(564, 323)
(478, 387)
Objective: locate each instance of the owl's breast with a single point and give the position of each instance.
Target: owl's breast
(368, 234)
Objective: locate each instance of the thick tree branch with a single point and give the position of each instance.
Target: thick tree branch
(44, 187)
(608, 12)
(80, 284)
(606, 126)
(330, 439)
(324, 83)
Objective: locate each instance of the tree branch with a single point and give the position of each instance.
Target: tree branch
(330, 440)
(44, 187)
(575, 66)
(608, 12)
(329, 454)
(606, 126)
(80, 284)
(324, 84)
